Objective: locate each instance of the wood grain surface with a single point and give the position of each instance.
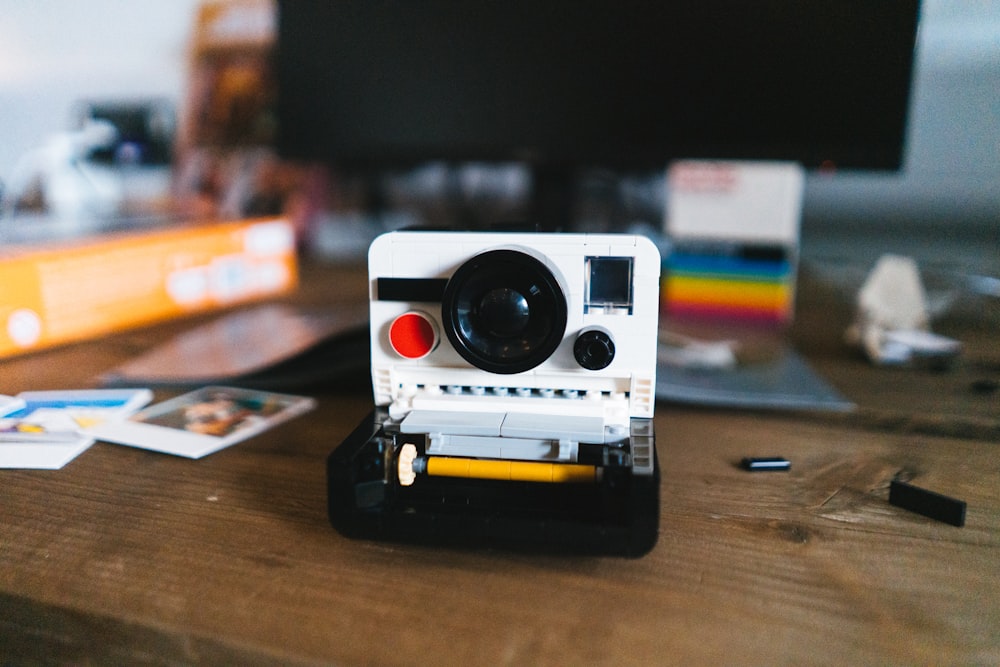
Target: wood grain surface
(130, 557)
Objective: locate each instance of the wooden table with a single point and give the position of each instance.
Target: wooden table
(126, 556)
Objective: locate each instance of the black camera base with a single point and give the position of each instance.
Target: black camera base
(615, 515)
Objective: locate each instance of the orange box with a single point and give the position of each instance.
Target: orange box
(55, 294)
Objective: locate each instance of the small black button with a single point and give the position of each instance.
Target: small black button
(594, 350)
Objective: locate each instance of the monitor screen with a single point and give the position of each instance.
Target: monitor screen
(627, 84)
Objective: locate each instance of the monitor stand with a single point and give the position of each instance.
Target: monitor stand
(553, 197)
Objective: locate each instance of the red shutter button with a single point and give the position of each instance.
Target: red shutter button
(413, 335)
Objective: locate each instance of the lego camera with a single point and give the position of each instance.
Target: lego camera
(513, 378)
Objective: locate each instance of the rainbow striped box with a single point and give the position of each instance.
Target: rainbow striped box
(734, 230)
(749, 283)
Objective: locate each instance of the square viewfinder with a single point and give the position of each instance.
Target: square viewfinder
(608, 287)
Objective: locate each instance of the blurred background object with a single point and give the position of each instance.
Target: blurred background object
(943, 203)
(114, 161)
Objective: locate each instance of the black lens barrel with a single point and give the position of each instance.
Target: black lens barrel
(504, 311)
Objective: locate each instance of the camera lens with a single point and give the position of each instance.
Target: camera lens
(504, 311)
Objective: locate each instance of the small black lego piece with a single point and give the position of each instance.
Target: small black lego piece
(766, 463)
(984, 386)
(929, 503)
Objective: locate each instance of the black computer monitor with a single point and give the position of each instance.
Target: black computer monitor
(622, 84)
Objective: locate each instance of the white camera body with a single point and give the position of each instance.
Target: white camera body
(513, 378)
(559, 326)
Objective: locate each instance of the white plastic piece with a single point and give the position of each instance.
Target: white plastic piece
(518, 449)
(437, 255)
(526, 425)
(892, 324)
(454, 422)
(613, 409)
(404, 464)
(687, 352)
(922, 343)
